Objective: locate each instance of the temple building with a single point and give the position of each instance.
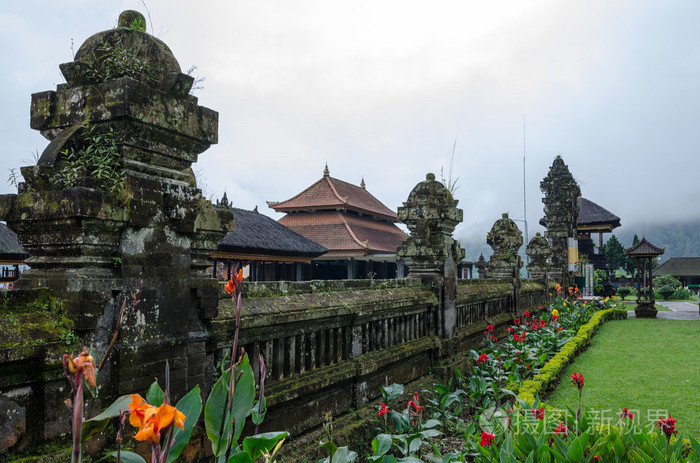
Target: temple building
(264, 249)
(594, 219)
(359, 231)
(12, 257)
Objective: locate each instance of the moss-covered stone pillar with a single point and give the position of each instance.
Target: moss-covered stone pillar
(560, 217)
(539, 253)
(112, 206)
(430, 252)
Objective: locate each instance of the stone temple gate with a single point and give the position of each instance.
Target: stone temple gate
(112, 204)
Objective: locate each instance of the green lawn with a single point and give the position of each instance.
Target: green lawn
(648, 365)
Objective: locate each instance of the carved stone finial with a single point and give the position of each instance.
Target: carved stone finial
(362, 183)
(133, 20)
(431, 214)
(539, 253)
(505, 238)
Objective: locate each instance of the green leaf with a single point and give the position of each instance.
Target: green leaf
(214, 410)
(343, 455)
(191, 406)
(99, 422)
(256, 446)
(431, 424)
(258, 417)
(126, 456)
(155, 395)
(329, 446)
(392, 392)
(575, 452)
(240, 457)
(381, 444)
(243, 398)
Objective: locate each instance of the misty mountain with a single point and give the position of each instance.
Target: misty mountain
(680, 239)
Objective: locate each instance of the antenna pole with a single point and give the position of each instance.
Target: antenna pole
(527, 238)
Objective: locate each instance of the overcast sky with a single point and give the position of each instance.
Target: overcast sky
(381, 90)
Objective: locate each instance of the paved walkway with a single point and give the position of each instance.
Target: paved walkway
(680, 310)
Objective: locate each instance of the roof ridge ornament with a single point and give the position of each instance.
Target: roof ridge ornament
(326, 172)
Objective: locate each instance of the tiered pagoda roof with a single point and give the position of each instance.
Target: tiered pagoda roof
(644, 249)
(332, 194)
(342, 217)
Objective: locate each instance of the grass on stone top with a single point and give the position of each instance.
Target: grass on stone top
(651, 366)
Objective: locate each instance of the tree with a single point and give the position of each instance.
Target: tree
(631, 265)
(615, 254)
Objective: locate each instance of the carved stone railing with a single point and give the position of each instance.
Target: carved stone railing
(331, 351)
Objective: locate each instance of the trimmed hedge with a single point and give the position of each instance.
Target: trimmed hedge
(550, 372)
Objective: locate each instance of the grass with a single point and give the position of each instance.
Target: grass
(651, 366)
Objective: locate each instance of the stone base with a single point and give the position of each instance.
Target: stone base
(645, 309)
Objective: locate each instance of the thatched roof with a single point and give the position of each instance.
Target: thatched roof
(592, 215)
(259, 237)
(10, 250)
(679, 266)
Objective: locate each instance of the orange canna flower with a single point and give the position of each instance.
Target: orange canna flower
(151, 420)
(229, 287)
(140, 411)
(86, 364)
(232, 285)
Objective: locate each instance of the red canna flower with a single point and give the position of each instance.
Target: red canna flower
(538, 412)
(577, 379)
(626, 413)
(482, 358)
(486, 439)
(383, 410)
(561, 429)
(526, 314)
(667, 426)
(596, 457)
(489, 328)
(516, 321)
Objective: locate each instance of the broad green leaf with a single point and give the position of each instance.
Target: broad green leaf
(343, 455)
(575, 452)
(414, 444)
(408, 460)
(392, 392)
(240, 457)
(214, 411)
(99, 422)
(329, 446)
(431, 424)
(155, 395)
(243, 399)
(381, 444)
(191, 406)
(126, 456)
(257, 414)
(256, 446)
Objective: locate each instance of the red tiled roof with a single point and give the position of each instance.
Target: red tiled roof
(345, 233)
(331, 193)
